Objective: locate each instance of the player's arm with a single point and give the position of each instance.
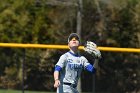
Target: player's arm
(92, 68)
(56, 76)
(91, 48)
(56, 72)
(58, 68)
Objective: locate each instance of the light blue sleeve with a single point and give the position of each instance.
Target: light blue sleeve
(61, 62)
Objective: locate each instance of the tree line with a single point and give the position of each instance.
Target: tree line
(107, 23)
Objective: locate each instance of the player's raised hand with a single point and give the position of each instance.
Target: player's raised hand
(57, 83)
(91, 48)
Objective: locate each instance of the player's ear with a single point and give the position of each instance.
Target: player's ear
(68, 43)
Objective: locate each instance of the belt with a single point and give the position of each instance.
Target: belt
(70, 84)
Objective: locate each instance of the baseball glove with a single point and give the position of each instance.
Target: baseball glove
(91, 48)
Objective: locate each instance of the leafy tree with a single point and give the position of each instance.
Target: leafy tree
(107, 23)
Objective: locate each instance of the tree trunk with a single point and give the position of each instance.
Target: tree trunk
(79, 26)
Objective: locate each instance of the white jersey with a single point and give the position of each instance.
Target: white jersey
(72, 66)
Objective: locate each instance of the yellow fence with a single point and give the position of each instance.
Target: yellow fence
(113, 49)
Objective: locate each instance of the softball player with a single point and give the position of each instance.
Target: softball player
(69, 67)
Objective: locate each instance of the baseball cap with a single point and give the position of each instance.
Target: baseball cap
(73, 35)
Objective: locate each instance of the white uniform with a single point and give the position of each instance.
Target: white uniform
(72, 66)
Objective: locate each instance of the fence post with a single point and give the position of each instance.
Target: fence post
(24, 56)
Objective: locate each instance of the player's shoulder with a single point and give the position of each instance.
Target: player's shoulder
(64, 55)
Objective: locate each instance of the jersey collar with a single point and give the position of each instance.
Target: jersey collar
(76, 55)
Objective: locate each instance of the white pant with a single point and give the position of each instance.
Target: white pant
(66, 89)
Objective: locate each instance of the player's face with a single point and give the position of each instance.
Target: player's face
(74, 42)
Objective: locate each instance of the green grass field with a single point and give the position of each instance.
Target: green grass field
(20, 91)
